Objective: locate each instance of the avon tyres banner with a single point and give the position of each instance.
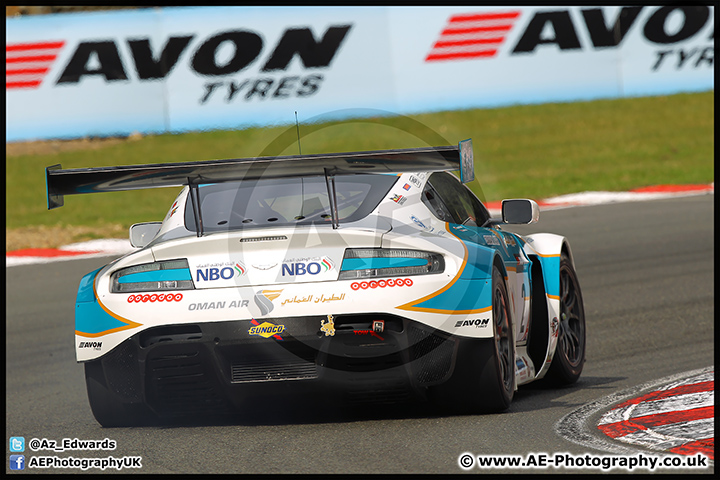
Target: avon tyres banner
(179, 69)
(491, 56)
(182, 69)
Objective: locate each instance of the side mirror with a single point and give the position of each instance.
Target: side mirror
(142, 233)
(520, 211)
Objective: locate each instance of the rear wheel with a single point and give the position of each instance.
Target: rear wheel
(569, 358)
(498, 374)
(484, 378)
(107, 409)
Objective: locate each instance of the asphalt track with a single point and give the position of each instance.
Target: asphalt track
(647, 274)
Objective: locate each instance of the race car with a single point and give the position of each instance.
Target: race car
(367, 276)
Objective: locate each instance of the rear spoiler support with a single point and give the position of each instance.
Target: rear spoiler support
(195, 200)
(332, 198)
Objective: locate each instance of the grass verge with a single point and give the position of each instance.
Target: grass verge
(531, 151)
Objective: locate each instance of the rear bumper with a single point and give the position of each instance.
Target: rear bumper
(221, 367)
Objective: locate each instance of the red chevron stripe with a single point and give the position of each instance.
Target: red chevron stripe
(23, 47)
(492, 28)
(26, 71)
(29, 84)
(31, 58)
(484, 16)
(453, 56)
(479, 41)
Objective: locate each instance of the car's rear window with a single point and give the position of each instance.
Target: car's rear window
(286, 201)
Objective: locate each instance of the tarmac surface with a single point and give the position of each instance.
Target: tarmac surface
(647, 274)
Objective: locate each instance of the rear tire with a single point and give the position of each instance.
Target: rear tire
(569, 358)
(107, 409)
(484, 378)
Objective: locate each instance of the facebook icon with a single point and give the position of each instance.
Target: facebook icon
(17, 462)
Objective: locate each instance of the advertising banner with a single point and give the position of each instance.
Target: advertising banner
(161, 70)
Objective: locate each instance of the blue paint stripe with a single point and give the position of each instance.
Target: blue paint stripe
(85, 290)
(395, 262)
(551, 274)
(472, 290)
(89, 315)
(175, 274)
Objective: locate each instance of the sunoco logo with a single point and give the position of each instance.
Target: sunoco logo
(216, 57)
(95, 345)
(266, 329)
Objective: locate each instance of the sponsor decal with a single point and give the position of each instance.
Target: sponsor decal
(264, 299)
(460, 228)
(477, 323)
(218, 304)
(27, 64)
(392, 282)
(417, 181)
(207, 57)
(399, 199)
(368, 332)
(474, 36)
(491, 240)
(421, 224)
(309, 298)
(510, 242)
(219, 271)
(328, 327)
(93, 345)
(406, 186)
(317, 265)
(155, 297)
(174, 208)
(266, 329)
(554, 324)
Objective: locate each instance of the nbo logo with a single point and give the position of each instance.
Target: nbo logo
(301, 268)
(214, 273)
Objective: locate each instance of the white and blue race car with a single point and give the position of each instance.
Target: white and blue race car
(367, 276)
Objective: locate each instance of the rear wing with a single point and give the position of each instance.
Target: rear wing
(133, 177)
